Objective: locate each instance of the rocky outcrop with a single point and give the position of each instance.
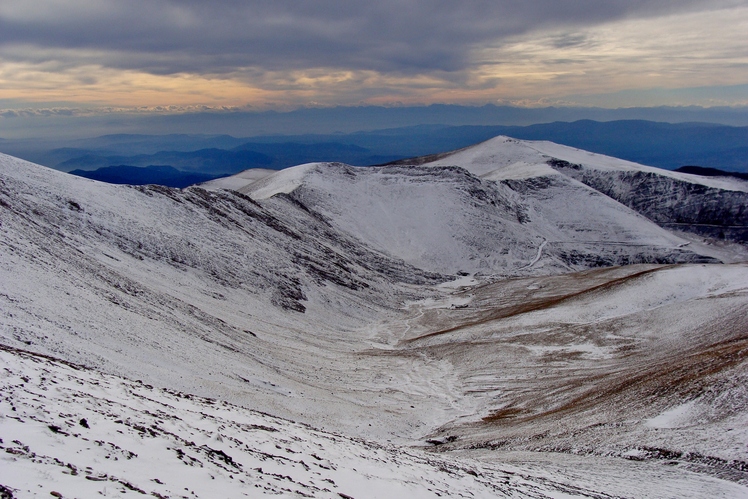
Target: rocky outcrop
(670, 202)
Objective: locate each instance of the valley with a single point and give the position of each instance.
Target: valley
(494, 322)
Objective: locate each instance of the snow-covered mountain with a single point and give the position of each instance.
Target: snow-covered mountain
(449, 213)
(711, 206)
(468, 305)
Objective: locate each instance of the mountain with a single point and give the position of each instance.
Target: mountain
(345, 119)
(689, 203)
(210, 161)
(664, 145)
(152, 174)
(484, 322)
(710, 172)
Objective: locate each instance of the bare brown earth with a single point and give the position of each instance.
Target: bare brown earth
(550, 379)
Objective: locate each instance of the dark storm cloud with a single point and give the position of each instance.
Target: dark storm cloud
(219, 37)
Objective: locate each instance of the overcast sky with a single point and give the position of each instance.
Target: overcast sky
(185, 54)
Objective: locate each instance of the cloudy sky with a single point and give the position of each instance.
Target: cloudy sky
(186, 54)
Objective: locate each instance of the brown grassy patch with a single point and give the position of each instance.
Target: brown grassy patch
(505, 413)
(533, 305)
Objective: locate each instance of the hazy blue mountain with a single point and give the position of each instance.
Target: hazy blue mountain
(213, 161)
(248, 155)
(153, 174)
(150, 144)
(663, 145)
(710, 172)
(345, 119)
(50, 152)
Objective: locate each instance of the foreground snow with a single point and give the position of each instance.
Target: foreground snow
(66, 431)
(71, 432)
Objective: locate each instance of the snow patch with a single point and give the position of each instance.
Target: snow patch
(677, 417)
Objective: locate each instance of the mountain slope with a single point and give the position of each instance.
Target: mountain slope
(120, 278)
(314, 298)
(165, 443)
(715, 207)
(447, 220)
(444, 220)
(646, 360)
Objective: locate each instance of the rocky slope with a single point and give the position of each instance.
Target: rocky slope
(671, 202)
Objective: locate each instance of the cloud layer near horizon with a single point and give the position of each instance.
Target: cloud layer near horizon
(232, 52)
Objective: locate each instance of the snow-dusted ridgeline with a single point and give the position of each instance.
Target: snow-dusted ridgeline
(714, 207)
(375, 303)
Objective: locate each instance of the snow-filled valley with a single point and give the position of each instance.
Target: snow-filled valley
(514, 319)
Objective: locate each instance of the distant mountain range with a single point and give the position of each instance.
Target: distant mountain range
(663, 145)
(151, 174)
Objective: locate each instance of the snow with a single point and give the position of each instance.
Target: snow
(423, 216)
(673, 418)
(283, 181)
(448, 221)
(374, 309)
(607, 163)
(494, 154)
(83, 434)
(505, 157)
(519, 171)
(238, 181)
(79, 433)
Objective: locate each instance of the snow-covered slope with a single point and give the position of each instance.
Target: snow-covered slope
(639, 360)
(447, 220)
(336, 296)
(502, 152)
(78, 433)
(441, 219)
(715, 207)
(206, 292)
(236, 182)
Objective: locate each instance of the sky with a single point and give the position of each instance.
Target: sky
(172, 56)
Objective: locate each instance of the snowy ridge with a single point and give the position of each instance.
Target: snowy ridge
(284, 181)
(443, 220)
(447, 220)
(236, 182)
(502, 152)
(709, 206)
(607, 163)
(456, 322)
